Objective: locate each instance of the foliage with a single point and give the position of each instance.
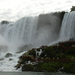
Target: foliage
(73, 8)
(32, 52)
(48, 52)
(48, 66)
(28, 67)
(52, 58)
(68, 66)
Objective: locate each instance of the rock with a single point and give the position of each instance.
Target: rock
(21, 61)
(19, 51)
(10, 59)
(8, 55)
(1, 59)
(18, 66)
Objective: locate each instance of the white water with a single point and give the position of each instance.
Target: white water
(22, 30)
(67, 29)
(27, 31)
(8, 63)
(68, 26)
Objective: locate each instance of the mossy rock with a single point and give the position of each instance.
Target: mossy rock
(22, 61)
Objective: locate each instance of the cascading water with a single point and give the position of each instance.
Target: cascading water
(68, 26)
(27, 32)
(34, 31)
(67, 30)
(22, 30)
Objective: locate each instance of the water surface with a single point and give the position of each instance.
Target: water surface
(32, 73)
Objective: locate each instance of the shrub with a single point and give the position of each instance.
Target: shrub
(48, 52)
(32, 52)
(28, 67)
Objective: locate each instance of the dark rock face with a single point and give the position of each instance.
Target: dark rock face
(50, 19)
(49, 25)
(4, 22)
(8, 55)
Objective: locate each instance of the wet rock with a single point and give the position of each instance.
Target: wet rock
(21, 61)
(10, 59)
(19, 52)
(1, 59)
(18, 66)
(8, 55)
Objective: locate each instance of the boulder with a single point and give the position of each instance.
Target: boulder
(10, 59)
(1, 59)
(8, 55)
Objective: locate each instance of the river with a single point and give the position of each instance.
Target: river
(32, 73)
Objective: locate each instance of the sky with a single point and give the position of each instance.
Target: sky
(13, 10)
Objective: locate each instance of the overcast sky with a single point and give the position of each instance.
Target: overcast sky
(15, 9)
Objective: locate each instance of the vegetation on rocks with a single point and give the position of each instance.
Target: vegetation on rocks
(59, 57)
(73, 8)
(4, 22)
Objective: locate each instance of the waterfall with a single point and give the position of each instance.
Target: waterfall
(22, 30)
(39, 30)
(34, 31)
(68, 26)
